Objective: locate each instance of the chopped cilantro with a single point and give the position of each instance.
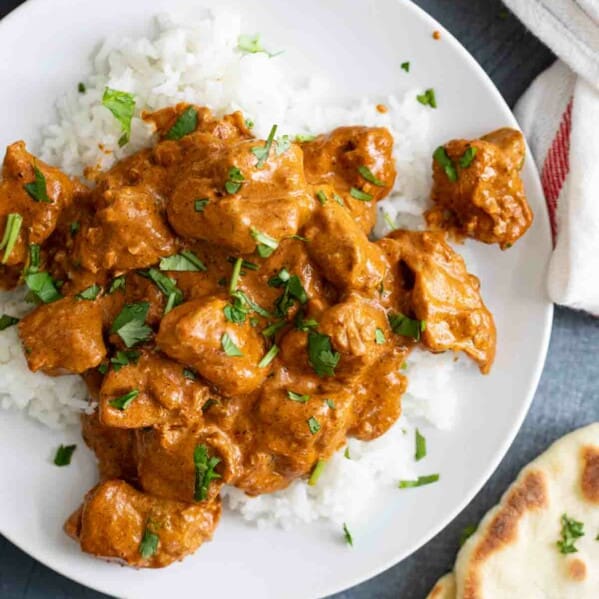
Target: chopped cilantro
(229, 346)
(369, 176)
(320, 354)
(205, 471)
(313, 425)
(122, 106)
(571, 530)
(420, 451)
(185, 261)
(37, 189)
(419, 482)
(91, 293)
(124, 401)
(7, 321)
(11, 234)
(408, 327)
(184, 125)
(358, 194)
(269, 356)
(129, 323)
(64, 454)
(234, 181)
(445, 162)
(428, 98)
(316, 472)
(293, 396)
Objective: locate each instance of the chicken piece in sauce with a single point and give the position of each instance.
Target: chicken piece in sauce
(358, 163)
(443, 295)
(477, 189)
(117, 522)
(244, 324)
(63, 337)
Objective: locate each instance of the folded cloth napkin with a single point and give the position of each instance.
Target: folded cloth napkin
(559, 115)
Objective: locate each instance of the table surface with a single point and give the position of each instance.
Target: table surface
(568, 394)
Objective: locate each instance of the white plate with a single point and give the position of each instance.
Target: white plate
(44, 46)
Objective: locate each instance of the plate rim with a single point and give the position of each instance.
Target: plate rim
(500, 452)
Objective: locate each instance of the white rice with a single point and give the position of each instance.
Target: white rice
(199, 63)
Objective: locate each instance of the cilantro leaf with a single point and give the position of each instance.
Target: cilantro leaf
(64, 454)
(11, 234)
(7, 321)
(185, 261)
(205, 471)
(262, 152)
(149, 543)
(408, 327)
(186, 123)
(122, 106)
(441, 157)
(229, 346)
(42, 287)
(129, 323)
(124, 401)
(91, 293)
(320, 354)
(571, 530)
(37, 189)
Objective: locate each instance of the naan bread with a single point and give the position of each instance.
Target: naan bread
(444, 589)
(514, 552)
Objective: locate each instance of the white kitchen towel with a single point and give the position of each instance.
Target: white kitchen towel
(559, 115)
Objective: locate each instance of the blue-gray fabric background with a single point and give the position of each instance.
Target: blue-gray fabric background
(568, 395)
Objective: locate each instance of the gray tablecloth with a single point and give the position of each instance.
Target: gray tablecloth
(568, 395)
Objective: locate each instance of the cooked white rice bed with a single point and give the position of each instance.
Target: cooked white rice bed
(199, 63)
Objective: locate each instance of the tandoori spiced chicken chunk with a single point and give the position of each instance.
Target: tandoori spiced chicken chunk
(229, 313)
(477, 189)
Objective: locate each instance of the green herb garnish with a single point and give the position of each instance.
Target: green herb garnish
(420, 446)
(269, 356)
(234, 181)
(468, 156)
(293, 396)
(379, 336)
(321, 196)
(571, 530)
(184, 125)
(168, 286)
(252, 45)
(90, 294)
(316, 472)
(313, 425)
(419, 482)
(200, 204)
(74, 227)
(122, 106)
(129, 324)
(229, 346)
(261, 153)
(116, 284)
(441, 157)
(358, 194)
(42, 287)
(266, 244)
(283, 143)
(124, 401)
(408, 327)
(124, 358)
(149, 543)
(369, 176)
(406, 66)
(348, 538)
(7, 321)
(331, 404)
(64, 454)
(320, 354)
(204, 470)
(34, 258)
(346, 453)
(235, 274)
(81, 87)
(428, 98)
(304, 137)
(185, 261)
(270, 330)
(11, 234)
(37, 188)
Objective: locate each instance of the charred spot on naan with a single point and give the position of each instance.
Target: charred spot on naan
(590, 473)
(576, 569)
(528, 494)
(445, 588)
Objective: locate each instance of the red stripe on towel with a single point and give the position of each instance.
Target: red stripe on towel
(556, 167)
